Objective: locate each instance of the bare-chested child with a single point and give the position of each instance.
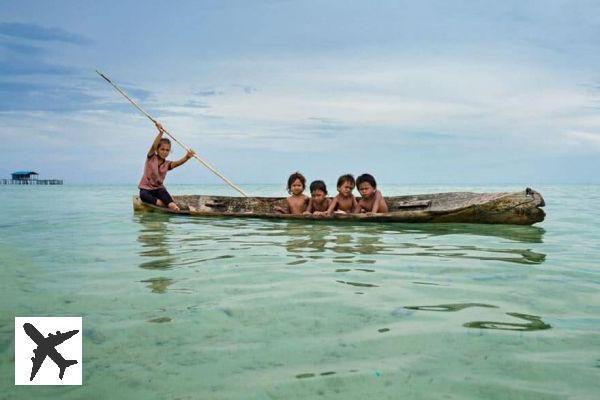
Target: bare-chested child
(318, 203)
(296, 203)
(372, 200)
(344, 202)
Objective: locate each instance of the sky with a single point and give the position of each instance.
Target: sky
(473, 92)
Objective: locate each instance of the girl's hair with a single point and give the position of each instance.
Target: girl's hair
(292, 178)
(346, 178)
(318, 185)
(163, 140)
(366, 178)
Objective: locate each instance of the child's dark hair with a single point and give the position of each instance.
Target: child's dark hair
(164, 140)
(292, 178)
(346, 178)
(366, 178)
(318, 185)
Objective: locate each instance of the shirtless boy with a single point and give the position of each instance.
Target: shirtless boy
(344, 202)
(318, 203)
(372, 200)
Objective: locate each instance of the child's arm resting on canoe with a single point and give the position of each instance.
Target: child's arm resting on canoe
(355, 206)
(309, 209)
(332, 206)
(379, 204)
(174, 164)
(283, 210)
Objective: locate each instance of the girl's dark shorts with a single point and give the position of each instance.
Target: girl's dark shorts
(150, 196)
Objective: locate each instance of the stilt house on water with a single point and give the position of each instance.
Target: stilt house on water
(29, 178)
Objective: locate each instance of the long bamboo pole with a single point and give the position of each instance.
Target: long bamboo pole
(207, 165)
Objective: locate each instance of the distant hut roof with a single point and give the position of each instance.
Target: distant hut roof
(24, 173)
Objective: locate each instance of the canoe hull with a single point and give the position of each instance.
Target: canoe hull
(519, 208)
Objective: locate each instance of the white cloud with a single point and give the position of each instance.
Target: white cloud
(478, 99)
(479, 103)
(583, 140)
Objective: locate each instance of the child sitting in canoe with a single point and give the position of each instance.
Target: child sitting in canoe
(344, 202)
(296, 203)
(318, 203)
(372, 200)
(151, 186)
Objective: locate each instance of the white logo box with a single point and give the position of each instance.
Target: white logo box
(69, 351)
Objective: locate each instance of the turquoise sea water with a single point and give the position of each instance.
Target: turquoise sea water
(181, 308)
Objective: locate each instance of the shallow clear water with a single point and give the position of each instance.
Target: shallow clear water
(182, 308)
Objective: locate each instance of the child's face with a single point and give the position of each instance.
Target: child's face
(346, 188)
(366, 190)
(164, 150)
(318, 195)
(297, 187)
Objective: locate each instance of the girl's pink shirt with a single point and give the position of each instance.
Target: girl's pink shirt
(155, 171)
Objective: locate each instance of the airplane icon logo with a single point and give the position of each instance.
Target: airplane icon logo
(46, 347)
(56, 346)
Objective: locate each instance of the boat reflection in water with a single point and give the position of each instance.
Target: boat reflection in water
(172, 241)
(154, 244)
(161, 234)
(155, 249)
(367, 257)
(347, 242)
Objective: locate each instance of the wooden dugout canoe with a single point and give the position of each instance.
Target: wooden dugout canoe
(520, 208)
